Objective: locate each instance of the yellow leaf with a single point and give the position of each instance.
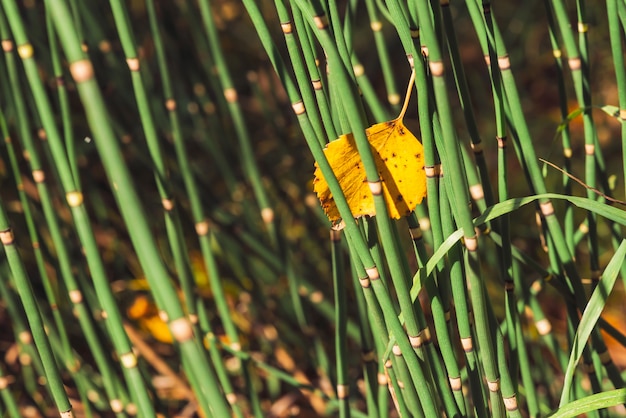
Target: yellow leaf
(399, 159)
(157, 328)
(140, 306)
(140, 283)
(145, 312)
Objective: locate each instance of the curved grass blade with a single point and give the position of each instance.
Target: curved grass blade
(591, 403)
(590, 317)
(506, 207)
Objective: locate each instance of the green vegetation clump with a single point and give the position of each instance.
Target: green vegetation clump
(164, 253)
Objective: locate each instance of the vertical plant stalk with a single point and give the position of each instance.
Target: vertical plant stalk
(453, 166)
(230, 94)
(33, 314)
(579, 66)
(618, 60)
(316, 122)
(354, 237)
(7, 396)
(50, 214)
(83, 73)
(172, 219)
(393, 96)
(75, 201)
(530, 162)
(15, 98)
(313, 68)
(341, 358)
(202, 226)
(415, 324)
(305, 87)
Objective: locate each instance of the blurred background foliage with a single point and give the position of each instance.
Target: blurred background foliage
(256, 286)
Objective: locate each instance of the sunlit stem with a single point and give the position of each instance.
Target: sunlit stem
(407, 97)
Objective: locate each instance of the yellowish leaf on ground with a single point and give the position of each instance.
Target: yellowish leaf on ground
(145, 312)
(141, 306)
(157, 328)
